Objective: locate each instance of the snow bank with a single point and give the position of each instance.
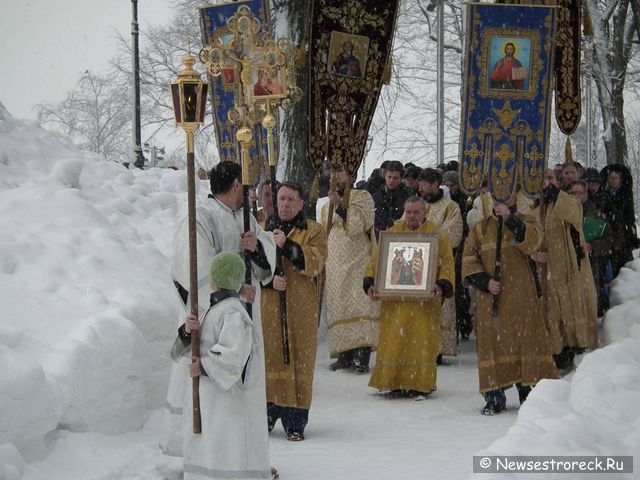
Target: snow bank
(88, 308)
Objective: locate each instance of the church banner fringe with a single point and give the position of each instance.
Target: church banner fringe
(350, 45)
(213, 21)
(507, 92)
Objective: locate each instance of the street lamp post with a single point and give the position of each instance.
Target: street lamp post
(137, 135)
(189, 95)
(438, 6)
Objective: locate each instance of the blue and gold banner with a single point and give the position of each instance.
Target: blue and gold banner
(213, 21)
(507, 92)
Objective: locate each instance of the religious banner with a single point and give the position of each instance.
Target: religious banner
(567, 66)
(506, 107)
(350, 46)
(226, 89)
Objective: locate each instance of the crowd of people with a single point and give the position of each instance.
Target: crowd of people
(529, 277)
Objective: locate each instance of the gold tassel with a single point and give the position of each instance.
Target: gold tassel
(346, 196)
(315, 188)
(568, 155)
(587, 27)
(388, 70)
(301, 57)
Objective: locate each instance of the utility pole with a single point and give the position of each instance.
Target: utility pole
(588, 53)
(440, 82)
(137, 136)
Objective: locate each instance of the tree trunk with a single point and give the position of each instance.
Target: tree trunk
(291, 22)
(612, 47)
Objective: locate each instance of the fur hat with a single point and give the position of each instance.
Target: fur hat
(227, 271)
(450, 176)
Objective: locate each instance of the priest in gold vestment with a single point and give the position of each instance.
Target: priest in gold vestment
(514, 346)
(571, 298)
(352, 318)
(303, 245)
(410, 330)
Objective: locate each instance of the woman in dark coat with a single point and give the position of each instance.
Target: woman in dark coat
(619, 185)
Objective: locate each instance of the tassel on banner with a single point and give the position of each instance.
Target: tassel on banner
(568, 154)
(314, 191)
(388, 70)
(587, 26)
(346, 196)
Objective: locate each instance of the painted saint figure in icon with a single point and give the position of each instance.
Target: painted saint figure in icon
(508, 73)
(346, 63)
(267, 84)
(417, 267)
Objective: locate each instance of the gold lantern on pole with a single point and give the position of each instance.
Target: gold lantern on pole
(189, 95)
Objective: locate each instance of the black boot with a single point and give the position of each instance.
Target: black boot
(344, 361)
(361, 359)
(523, 392)
(564, 360)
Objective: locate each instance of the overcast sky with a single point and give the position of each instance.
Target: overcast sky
(46, 44)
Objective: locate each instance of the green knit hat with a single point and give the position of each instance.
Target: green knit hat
(227, 271)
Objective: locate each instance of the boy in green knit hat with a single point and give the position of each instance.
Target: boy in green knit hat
(234, 439)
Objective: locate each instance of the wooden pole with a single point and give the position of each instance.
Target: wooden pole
(543, 266)
(323, 275)
(332, 187)
(193, 275)
(498, 267)
(247, 228)
(269, 123)
(244, 136)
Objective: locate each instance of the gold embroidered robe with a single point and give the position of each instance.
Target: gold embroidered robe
(515, 346)
(290, 385)
(571, 298)
(445, 214)
(351, 316)
(410, 330)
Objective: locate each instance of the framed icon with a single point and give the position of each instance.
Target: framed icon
(510, 63)
(348, 54)
(269, 83)
(407, 265)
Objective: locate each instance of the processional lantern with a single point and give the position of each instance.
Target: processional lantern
(189, 95)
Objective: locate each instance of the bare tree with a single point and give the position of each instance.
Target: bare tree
(161, 53)
(633, 126)
(95, 115)
(615, 24)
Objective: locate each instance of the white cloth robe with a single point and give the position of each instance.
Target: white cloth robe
(218, 229)
(234, 442)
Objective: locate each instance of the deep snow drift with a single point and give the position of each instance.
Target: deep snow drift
(88, 314)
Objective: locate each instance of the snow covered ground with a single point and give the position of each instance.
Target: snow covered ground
(88, 313)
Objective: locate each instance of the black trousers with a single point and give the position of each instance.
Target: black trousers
(293, 419)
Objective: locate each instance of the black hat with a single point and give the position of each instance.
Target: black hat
(591, 175)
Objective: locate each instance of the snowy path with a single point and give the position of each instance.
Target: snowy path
(353, 433)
